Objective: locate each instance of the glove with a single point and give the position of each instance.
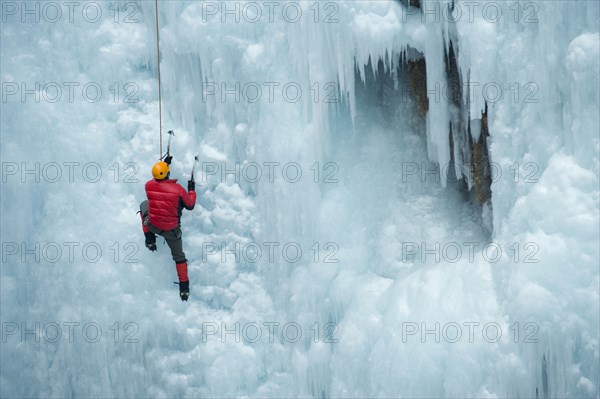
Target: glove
(191, 185)
(168, 159)
(150, 241)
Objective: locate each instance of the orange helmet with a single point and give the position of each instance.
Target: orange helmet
(160, 170)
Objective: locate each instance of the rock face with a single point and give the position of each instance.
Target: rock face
(412, 3)
(480, 163)
(462, 138)
(470, 156)
(417, 79)
(464, 149)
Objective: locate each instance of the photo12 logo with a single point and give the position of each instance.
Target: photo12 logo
(70, 92)
(453, 172)
(269, 11)
(453, 252)
(54, 12)
(68, 172)
(269, 252)
(269, 171)
(269, 331)
(68, 332)
(468, 331)
(271, 92)
(68, 252)
(490, 92)
(525, 12)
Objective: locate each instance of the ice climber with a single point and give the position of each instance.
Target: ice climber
(161, 214)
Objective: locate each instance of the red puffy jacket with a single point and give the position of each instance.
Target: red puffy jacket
(166, 200)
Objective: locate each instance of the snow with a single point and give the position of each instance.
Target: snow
(399, 289)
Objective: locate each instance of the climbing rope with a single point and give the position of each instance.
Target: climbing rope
(159, 83)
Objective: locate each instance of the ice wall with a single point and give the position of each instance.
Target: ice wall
(533, 64)
(542, 51)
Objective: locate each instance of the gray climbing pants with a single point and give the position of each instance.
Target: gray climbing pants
(173, 237)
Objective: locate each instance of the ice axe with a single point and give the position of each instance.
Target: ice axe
(194, 167)
(171, 134)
